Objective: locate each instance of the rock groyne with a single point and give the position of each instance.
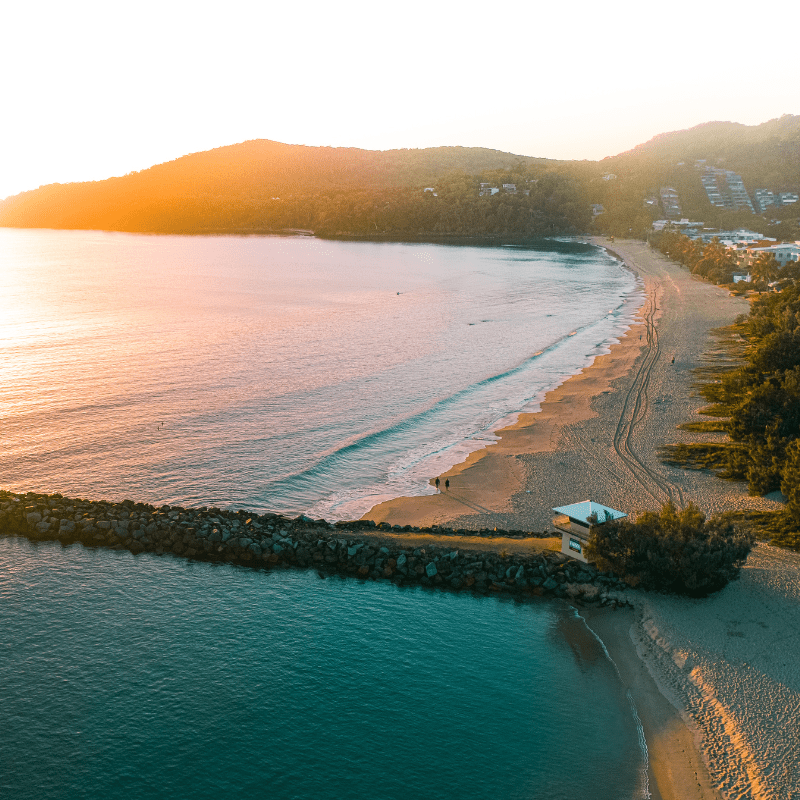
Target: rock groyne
(275, 541)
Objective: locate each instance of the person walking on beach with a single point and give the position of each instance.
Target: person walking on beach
(437, 484)
(447, 484)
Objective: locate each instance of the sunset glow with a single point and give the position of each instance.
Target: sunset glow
(92, 90)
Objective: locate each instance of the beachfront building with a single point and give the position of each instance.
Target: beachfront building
(784, 252)
(576, 523)
(684, 226)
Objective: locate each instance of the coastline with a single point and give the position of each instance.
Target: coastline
(597, 437)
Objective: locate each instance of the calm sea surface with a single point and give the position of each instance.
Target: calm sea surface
(127, 677)
(279, 374)
(289, 375)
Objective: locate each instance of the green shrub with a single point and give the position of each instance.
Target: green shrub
(672, 551)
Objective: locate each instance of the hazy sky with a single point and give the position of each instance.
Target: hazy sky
(94, 89)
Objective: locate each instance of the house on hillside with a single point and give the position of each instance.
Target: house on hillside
(576, 523)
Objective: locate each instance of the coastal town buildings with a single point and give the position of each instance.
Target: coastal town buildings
(784, 253)
(725, 189)
(681, 225)
(764, 198)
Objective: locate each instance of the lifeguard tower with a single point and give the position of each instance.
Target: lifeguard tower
(576, 523)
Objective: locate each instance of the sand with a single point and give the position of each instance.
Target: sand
(716, 682)
(730, 663)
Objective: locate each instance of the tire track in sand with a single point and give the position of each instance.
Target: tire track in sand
(634, 410)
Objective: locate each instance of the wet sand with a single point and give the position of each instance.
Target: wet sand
(597, 437)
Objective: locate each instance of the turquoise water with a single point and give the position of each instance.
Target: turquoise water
(152, 677)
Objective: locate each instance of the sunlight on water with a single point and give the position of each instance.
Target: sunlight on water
(285, 374)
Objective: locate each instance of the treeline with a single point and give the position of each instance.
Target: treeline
(759, 403)
(262, 186)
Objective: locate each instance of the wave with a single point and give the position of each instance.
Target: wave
(325, 460)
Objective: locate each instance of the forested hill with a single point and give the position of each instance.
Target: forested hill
(762, 154)
(263, 185)
(767, 156)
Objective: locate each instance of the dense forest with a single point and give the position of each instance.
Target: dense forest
(263, 186)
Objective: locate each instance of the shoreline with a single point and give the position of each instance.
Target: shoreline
(597, 437)
(531, 432)
(675, 767)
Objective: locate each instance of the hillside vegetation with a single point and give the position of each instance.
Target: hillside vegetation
(262, 186)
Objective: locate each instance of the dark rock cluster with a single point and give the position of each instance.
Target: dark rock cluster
(275, 541)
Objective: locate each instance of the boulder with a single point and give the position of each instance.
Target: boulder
(67, 526)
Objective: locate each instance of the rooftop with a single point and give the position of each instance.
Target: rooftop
(582, 511)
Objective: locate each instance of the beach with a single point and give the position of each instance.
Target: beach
(689, 664)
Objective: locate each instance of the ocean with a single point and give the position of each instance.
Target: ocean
(297, 376)
(137, 677)
(283, 374)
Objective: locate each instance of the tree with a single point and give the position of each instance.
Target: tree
(717, 262)
(790, 483)
(674, 551)
(765, 268)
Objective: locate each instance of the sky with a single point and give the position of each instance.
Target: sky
(96, 89)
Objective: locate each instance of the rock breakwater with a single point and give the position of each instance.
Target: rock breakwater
(275, 541)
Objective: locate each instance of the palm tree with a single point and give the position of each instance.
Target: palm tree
(765, 268)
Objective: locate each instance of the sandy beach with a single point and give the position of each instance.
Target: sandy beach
(720, 714)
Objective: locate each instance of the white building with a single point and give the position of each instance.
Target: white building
(576, 523)
(785, 253)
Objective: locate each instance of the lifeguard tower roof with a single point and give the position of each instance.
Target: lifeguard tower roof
(581, 512)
